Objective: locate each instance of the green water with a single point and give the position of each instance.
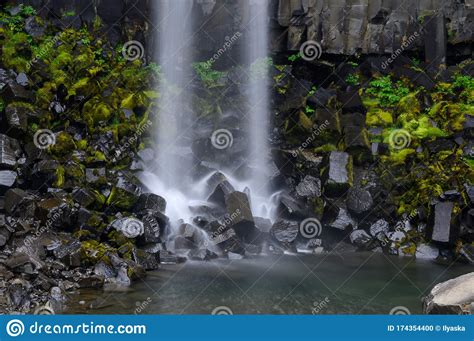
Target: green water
(362, 283)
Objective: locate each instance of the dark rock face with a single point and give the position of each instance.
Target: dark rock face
(309, 187)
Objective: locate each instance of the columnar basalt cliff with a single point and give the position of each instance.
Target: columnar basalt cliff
(372, 142)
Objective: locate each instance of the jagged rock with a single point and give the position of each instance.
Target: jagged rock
(130, 227)
(321, 97)
(309, 187)
(285, 231)
(424, 251)
(146, 260)
(91, 281)
(83, 196)
(380, 226)
(7, 179)
(455, 296)
(104, 270)
(341, 220)
(17, 119)
(14, 197)
(44, 174)
(5, 235)
(150, 201)
(361, 239)
(125, 193)
(263, 224)
(351, 101)
(238, 206)
(356, 140)
(14, 92)
(220, 192)
(338, 175)
(10, 151)
(201, 254)
(167, 257)
(18, 291)
(359, 202)
(69, 253)
(96, 176)
(290, 207)
(440, 229)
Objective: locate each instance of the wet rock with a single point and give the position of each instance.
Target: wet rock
(435, 49)
(467, 253)
(96, 176)
(238, 206)
(309, 187)
(201, 254)
(361, 239)
(285, 231)
(91, 282)
(454, 296)
(130, 227)
(425, 251)
(150, 201)
(17, 119)
(5, 235)
(18, 292)
(83, 196)
(146, 260)
(7, 179)
(381, 226)
(34, 28)
(338, 174)
(359, 202)
(340, 220)
(321, 97)
(14, 197)
(263, 224)
(220, 193)
(104, 270)
(69, 253)
(439, 227)
(14, 92)
(10, 151)
(45, 174)
(125, 193)
(356, 140)
(290, 207)
(167, 257)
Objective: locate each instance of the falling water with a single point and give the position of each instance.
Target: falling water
(174, 18)
(258, 106)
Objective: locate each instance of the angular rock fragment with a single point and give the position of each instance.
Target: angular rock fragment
(338, 174)
(359, 202)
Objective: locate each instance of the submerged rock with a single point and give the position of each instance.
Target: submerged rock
(455, 296)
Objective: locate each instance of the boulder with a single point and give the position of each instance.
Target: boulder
(14, 197)
(14, 92)
(96, 176)
(45, 174)
(285, 231)
(455, 296)
(381, 226)
(238, 207)
(7, 179)
(10, 151)
(150, 201)
(359, 202)
(309, 187)
(83, 196)
(338, 174)
(17, 119)
(440, 228)
(152, 230)
(425, 251)
(361, 239)
(220, 193)
(340, 219)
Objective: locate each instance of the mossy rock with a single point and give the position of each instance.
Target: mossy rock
(379, 118)
(64, 144)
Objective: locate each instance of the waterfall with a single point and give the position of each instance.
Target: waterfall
(256, 54)
(172, 176)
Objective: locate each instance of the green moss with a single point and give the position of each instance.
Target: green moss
(210, 77)
(386, 91)
(92, 251)
(64, 144)
(121, 198)
(59, 183)
(379, 118)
